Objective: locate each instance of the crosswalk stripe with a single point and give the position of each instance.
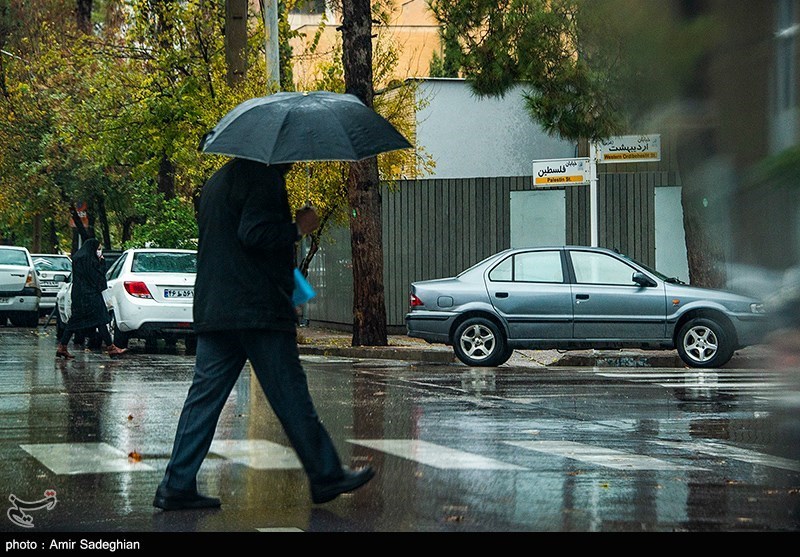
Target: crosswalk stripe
(735, 453)
(259, 454)
(600, 456)
(437, 456)
(84, 458)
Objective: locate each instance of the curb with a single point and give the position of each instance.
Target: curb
(382, 353)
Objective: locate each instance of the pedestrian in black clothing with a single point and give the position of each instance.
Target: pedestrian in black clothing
(243, 311)
(89, 311)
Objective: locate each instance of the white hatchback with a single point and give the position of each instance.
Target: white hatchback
(150, 295)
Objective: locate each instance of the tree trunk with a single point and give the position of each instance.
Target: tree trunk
(236, 40)
(102, 214)
(704, 241)
(369, 309)
(166, 177)
(36, 244)
(83, 15)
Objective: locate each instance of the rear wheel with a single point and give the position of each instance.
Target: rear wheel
(25, 319)
(703, 343)
(478, 342)
(119, 338)
(191, 345)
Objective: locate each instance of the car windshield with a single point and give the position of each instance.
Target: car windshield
(164, 262)
(12, 257)
(43, 263)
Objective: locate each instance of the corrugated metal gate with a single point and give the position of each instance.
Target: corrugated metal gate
(438, 227)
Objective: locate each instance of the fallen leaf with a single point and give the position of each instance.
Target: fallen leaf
(134, 456)
(130, 417)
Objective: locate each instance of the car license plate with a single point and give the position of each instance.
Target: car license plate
(49, 283)
(178, 293)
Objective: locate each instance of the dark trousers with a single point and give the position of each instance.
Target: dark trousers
(276, 362)
(102, 329)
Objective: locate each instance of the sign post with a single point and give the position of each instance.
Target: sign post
(593, 186)
(583, 171)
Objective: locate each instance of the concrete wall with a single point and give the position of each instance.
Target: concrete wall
(472, 137)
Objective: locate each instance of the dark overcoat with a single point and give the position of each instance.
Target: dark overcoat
(246, 250)
(88, 282)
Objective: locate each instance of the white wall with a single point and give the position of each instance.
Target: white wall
(472, 137)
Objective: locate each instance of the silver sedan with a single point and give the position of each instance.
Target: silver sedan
(576, 297)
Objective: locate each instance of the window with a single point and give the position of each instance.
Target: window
(532, 266)
(13, 257)
(597, 268)
(164, 263)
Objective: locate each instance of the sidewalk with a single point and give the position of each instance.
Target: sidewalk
(317, 340)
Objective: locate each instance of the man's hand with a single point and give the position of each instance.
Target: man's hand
(307, 220)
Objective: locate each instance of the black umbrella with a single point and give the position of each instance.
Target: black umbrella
(309, 126)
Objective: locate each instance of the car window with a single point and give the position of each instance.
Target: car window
(114, 270)
(12, 257)
(164, 263)
(599, 268)
(533, 266)
(52, 263)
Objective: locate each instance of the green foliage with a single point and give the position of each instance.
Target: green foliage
(592, 66)
(171, 224)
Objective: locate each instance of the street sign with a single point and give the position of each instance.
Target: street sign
(561, 172)
(630, 148)
(80, 207)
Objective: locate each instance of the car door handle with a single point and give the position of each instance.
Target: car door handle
(501, 294)
(580, 297)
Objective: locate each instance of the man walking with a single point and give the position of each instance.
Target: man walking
(243, 311)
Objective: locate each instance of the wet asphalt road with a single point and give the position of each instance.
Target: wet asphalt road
(510, 449)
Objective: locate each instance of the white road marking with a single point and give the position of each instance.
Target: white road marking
(256, 453)
(84, 458)
(734, 453)
(600, 456)
(437, 456)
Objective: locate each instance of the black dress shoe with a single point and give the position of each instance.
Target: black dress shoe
(175, 500)
(350, 481)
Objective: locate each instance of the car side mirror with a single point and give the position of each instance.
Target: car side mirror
(641, 279)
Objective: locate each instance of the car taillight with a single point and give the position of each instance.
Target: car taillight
(137, 289)
(29, 280)
(414, 302)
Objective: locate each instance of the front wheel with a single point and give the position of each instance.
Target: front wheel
(478, 342)
(704, 343)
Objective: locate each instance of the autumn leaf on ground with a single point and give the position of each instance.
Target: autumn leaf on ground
(136, 457)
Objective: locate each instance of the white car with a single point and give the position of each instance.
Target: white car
(150, 296)
(20, 293)
(53, 270)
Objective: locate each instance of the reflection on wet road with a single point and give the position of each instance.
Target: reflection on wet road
(456, 449)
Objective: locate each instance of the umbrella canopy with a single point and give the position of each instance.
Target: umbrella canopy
(309, 126)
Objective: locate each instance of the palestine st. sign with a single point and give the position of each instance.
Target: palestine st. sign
(561, 172)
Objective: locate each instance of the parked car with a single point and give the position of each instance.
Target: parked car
(575, 297)
(150, 294)
(53, 270)
(20, 293)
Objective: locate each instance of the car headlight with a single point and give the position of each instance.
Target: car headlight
(757, 308)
